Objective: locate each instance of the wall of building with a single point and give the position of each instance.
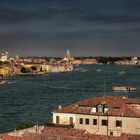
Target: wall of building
(129, 125)
(64, 118)
(4, 57)
(5, 71)
(46, 68)
(95, 129)
(56, 68)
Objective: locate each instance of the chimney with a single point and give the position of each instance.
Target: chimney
(59, 107)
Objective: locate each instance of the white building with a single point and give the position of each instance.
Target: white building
(4, 57)
(134, 60)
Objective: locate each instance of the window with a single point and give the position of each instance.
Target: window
(94, 121)
(118, 123)
(104, 122)
(81, 120)
(87, 121)
(111, 133)
(100, 108)
(71, 120)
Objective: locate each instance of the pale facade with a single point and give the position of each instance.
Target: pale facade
(64, 118)
(101, 125)
(57, 68)
(46, 68)
(5, 71)
(61, 68)
(108, 125)
(4, 57)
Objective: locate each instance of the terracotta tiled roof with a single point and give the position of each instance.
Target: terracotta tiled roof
(132, 101)
(53, 133)
(71, 133)
(78, 134)
(8, 137)
(130, 137)
(117, 106)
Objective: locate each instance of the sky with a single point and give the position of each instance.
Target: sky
(86, 27)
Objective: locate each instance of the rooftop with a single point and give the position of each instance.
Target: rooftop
(116, 105)
(54, 133)
(71, 133)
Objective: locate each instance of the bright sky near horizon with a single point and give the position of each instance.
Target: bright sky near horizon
(86, 27)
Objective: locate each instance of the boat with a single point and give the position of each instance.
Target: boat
(123, 88)
(3, 82)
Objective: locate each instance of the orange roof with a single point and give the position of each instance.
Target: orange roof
(117, 106)
(8, 137)
(72, 134)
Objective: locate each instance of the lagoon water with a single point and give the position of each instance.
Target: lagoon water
(31, 98)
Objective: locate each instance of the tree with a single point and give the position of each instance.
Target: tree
(24, 125)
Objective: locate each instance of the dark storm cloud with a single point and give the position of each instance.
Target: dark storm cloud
(93, 11)
(49, 27)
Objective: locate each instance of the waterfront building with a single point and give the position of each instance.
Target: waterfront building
(85, 61)
(61, 68)
(134, 61)
(46, 68)
(107, 115)
(5, 71)
(54, 68)
(4, 57)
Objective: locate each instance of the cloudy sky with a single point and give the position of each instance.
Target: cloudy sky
(86, 27)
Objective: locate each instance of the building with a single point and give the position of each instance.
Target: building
(46, 68)
(84, 61)
(107, 115)
(61, 68)
(4, 57)
(134, 61)
(5, 71)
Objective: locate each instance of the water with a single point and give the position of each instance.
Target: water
(25, 97)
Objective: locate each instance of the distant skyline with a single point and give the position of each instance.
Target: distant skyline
(86, 27)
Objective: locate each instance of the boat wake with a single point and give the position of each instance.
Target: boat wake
(81, 70)
(84, 70)
(98, 70)
(121, 72)
(72, 88)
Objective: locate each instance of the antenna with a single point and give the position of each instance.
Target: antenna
(126, 93)
(37, 113)
(104, 88)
